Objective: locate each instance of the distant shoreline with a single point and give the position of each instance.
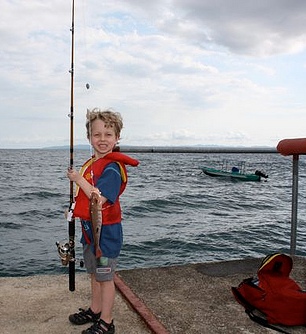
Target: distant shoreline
(170, 149)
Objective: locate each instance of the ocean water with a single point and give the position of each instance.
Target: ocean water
(172, 212)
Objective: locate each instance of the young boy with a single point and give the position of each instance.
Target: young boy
(105, 174)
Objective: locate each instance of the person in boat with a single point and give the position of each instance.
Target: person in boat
(235, 170)
(105, 173)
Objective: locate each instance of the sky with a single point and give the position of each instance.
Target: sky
(180, 72)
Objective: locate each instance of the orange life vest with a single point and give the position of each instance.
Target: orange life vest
(91, 171)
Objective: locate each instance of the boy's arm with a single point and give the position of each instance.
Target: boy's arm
(76, 177)
(109, 182)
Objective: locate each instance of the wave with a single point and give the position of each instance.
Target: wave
(172, 213)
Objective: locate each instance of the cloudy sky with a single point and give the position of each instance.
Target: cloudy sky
(181, 72)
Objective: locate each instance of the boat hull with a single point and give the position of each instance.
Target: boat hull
(232, 175)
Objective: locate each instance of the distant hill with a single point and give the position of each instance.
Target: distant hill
(181, 149)
(67, 147)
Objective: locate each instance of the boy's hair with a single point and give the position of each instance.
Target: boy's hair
(110, 118)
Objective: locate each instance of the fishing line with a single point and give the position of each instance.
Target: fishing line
(90, 147)
(87, 85)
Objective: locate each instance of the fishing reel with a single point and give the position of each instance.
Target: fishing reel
(65, 253)
(64, 250)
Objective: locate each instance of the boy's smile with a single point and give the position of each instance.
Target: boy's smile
(102, 138)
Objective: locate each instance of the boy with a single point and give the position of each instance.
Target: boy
(105, 174)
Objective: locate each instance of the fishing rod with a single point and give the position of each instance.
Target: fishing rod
(70, 218)
(66, 249)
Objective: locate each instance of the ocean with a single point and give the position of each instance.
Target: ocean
(173, 214)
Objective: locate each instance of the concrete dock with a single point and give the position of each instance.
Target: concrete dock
(185, 299)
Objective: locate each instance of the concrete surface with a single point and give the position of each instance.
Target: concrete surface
(186, 299)
(41, 304)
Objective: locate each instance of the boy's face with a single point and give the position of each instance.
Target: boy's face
(102, 139)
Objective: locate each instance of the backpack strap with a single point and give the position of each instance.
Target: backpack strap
(249, 310)
(242, 300)
(263, 322)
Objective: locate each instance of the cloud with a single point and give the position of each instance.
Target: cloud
(181, 72)
(255, 28)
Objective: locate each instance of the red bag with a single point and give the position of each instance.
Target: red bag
(273, 293)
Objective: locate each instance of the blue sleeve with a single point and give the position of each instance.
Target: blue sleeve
(109, 182)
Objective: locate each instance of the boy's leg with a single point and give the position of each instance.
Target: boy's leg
(108, 291)
(105, 285)
(103, 292)
(96, 295)
(102, 272)
(103, 298)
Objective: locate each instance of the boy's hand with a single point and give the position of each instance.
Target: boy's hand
(73, 175)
